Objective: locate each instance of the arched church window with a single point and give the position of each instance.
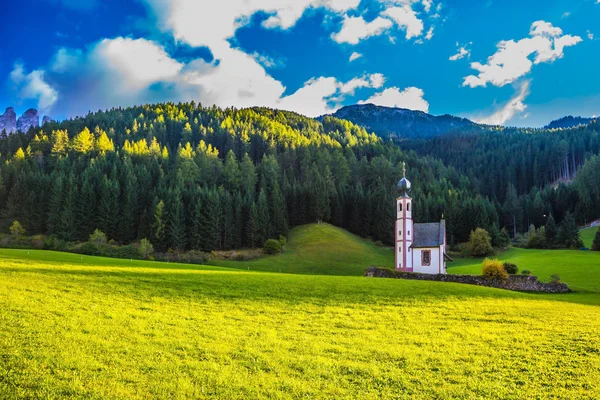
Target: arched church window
(407, 206)
(400, 207)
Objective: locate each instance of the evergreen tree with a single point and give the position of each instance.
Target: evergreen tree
(568, 235)
(596, 242)
(551, 232)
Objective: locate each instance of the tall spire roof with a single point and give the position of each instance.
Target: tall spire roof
(404, 184)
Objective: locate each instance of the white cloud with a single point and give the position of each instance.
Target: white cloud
(374, 81)
(33, 86)
(410, 98)
(65, 59)
(407, 19)
(208, 23)
(268, 62)
(512, 60)
(355, 56)
(462, 53)
(427, 5)
(507, 112)
(354, 29)
(590, 35)
(429, 34)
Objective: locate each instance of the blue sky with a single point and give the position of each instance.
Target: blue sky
(502, 62)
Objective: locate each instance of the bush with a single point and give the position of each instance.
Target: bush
(146, 248)
(480, 243)
(90, 249)
(17, 230)
(511, 268)
(98, 238)
(494, 269)
(526, 272)
(272, 246)
(555, 279)
(282, 241)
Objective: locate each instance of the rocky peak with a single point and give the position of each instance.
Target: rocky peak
(30, 118)
(8, 121)
(46, 119)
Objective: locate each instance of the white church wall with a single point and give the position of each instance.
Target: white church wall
(433, 268)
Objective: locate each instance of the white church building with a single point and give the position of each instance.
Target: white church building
(419, 247)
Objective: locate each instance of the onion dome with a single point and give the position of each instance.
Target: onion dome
(404, 187)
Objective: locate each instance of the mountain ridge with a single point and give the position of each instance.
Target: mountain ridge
(394, 122)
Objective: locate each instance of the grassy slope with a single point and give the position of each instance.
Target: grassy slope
(580, 269)
(321, 249)
(88, 328)
(587, 235)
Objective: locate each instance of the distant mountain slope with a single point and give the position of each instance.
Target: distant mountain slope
(403, 123)
(569, 122)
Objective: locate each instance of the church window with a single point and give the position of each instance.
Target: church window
(400, 207)
(400, 233)
(407, 206)
(408, 233)
(426, 258)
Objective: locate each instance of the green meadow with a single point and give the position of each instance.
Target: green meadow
(97, 328)
(588, 234)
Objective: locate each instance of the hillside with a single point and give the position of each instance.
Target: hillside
(569, 122)
(321, 249)
(188, 177)
(401, 123)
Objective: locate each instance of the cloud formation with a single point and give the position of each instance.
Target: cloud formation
(410, 98)
(33, 86)
(355, 56)
(355, 29)
(507, 112)
(462, 53)
(512, 60)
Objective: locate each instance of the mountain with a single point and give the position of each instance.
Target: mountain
(30, 119)
(569, 122)
(403, 123)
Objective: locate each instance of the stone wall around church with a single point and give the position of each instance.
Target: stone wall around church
(521, 283)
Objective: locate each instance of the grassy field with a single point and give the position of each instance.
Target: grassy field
(323, 250)
(96, 328)
(587, 235)
(580, 269)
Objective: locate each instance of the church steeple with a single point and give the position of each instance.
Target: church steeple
(404, 225)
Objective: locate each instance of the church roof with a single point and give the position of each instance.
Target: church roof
(429, 235)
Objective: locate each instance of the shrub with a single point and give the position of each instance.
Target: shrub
(282, 241)
(526, 272)
(17, 230)
(511, 268)
(555, 279)
(480, 243)
(272, 246)
(90, 249)
(146, 249)
(98, 238)
(494, 269)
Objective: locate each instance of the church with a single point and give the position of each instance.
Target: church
(419, 247)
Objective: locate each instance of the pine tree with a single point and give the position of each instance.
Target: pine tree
(551, 232)
(176, 235)
(596, 242)
(159, 226)
(569, 236)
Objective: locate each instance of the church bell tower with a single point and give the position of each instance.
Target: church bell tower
(404, 225)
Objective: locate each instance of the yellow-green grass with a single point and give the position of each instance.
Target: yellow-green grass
(588, 234)
(320, 249)
(579, 269)
(89, 328)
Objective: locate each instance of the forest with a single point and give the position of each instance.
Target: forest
(189, 177)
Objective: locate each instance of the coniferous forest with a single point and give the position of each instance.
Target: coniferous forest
(194, 178)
